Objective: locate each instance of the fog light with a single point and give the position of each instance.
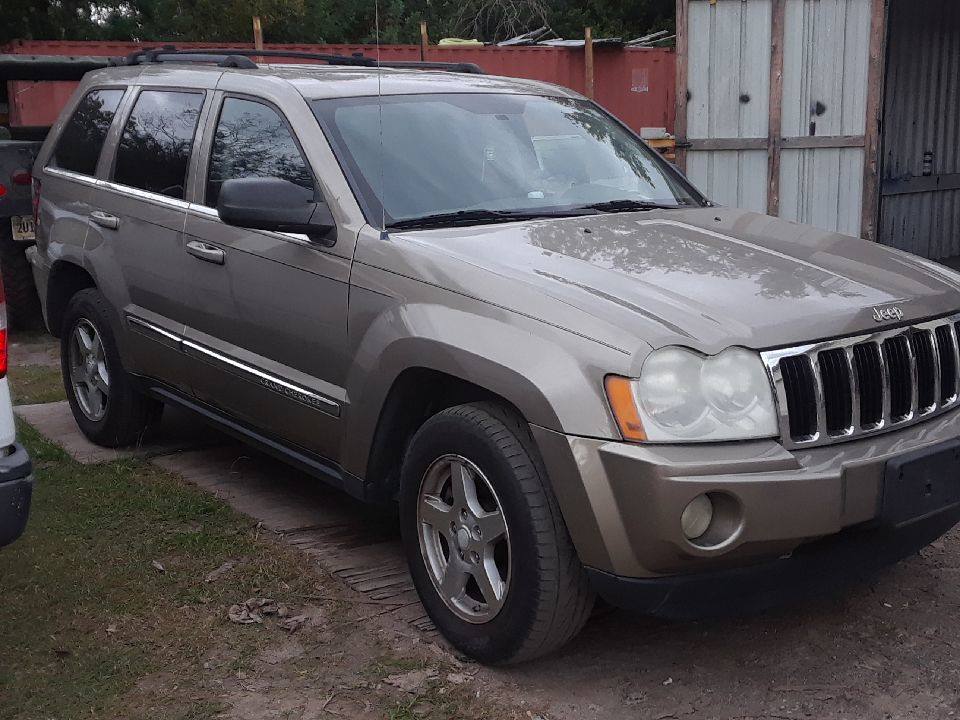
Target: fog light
(696, 517)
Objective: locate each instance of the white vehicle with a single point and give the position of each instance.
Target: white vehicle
(16, 470)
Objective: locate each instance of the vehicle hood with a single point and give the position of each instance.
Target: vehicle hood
(707, 278)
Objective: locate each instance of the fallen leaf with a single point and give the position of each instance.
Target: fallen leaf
(458, 678)
(220, 571)
(292, 624)
(157, 566)
(411, 682)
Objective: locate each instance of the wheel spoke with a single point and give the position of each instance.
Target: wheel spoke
(492, 526)
(488, 580)
(98, 381)
(85, 338)
(79, 375)
(455, 576)
(464, 487)
(95, 400)
(436, 513)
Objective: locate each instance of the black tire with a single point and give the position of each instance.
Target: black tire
(128, 411)
(548, 598)
(23, 303)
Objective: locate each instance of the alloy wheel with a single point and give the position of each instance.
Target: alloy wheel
(464, 538)
(89, 376)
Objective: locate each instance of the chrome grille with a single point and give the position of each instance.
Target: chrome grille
(853, 387)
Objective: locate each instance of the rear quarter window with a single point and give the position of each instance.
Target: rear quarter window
(157, 139)
(79, 145)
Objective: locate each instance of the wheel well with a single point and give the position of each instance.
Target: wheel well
(416, 395)
(66, 280)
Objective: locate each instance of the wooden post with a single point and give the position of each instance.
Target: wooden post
(424, 39)
(680, 121)
(871, 151)
(775, 122)
(588, 60)
(257, 36)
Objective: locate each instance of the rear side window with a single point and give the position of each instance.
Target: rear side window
(79, 145)
(252, 140)
(155, 146)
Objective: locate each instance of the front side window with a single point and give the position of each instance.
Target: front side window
(417, 156)
(79, 145)
(252, 140)
(155, 146)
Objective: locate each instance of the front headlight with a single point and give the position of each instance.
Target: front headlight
(682, 396)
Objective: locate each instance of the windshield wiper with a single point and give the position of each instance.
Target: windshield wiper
(630, 206)
(477, 217)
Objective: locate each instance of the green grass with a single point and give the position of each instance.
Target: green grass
(85, 615)
(35, 384)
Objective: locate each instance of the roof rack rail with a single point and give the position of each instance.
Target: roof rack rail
(231, 57)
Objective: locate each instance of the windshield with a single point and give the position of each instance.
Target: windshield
(458, 154)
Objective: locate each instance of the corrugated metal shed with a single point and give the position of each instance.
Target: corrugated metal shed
(728, 91)
(843, 114)
(773, 104)
(920, 204)
(825, 58)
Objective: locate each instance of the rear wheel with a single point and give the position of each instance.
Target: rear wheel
(23, 303)
(107, 405)
(488, 550)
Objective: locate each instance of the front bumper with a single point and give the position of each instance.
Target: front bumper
(16, 490)
(622, 502)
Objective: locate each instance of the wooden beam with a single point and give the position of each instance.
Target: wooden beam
(424, 40)
(257, 33)
(775, 129)
(588, 60)
(680, 118)
(871, 154)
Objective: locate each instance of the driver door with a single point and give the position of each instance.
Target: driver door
(267, 335)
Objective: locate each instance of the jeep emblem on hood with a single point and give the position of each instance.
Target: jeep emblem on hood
(892, 312)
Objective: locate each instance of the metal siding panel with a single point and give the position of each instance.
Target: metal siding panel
(826, 55)
(922, 115)
(729, 85)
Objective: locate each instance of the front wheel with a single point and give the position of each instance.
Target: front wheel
(488, 550)
(106, 403)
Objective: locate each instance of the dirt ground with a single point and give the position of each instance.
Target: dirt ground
(887, 649)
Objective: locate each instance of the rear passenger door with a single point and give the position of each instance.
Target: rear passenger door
(136, 227)
(268, 328)
(69, 175)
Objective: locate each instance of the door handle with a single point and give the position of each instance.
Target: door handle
(204, 251)
(111, 222)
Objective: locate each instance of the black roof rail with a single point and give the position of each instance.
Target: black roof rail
(232, 57)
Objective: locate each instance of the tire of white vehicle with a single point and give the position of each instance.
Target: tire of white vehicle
(545, 596)
(23, 303)
(91, 369)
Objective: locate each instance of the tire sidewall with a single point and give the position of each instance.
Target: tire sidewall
(502, 637)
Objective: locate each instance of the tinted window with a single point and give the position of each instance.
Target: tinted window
(156, 142)
(78, 148)
(252, 140)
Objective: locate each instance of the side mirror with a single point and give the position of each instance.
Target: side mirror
(272, 203)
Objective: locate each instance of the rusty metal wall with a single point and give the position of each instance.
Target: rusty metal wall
(920, 188)
(636, 84)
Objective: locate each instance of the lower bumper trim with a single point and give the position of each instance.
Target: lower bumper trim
(816, 569)
(16, 491)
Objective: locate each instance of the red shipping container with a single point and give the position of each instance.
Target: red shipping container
(636, 84)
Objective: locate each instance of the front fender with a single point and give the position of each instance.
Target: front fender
(554, 378)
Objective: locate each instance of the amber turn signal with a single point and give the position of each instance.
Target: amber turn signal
(624, 406)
